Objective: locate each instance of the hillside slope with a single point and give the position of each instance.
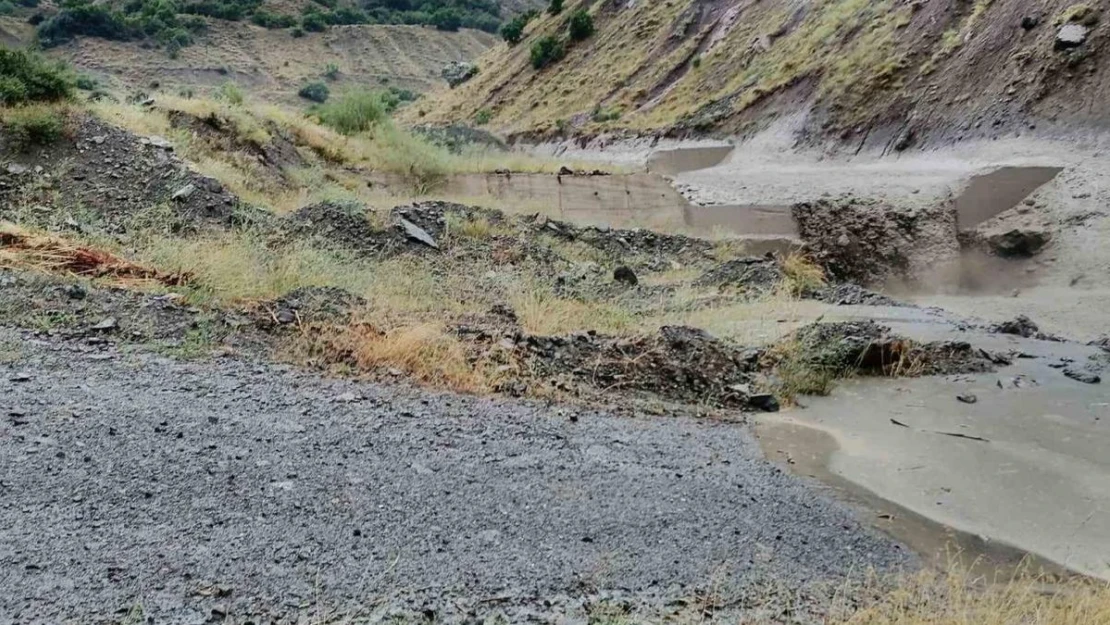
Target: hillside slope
(274, 65)
(885, 67)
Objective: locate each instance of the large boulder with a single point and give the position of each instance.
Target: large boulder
(458, 72)
(1021, 242)
(1071, 36)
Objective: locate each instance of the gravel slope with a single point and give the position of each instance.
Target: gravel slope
(199, 490)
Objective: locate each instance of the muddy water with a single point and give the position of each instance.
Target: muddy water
(989, 194)
(682, 160)
(1033, 476)
(809, 452)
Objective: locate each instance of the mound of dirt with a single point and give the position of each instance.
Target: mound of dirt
(345, 225)
(637, 248)
(870, 242)
(320, 304)
(109, 177)
(276, 156)
(676, 363)
(62, 307)
(432, 216)
(756, 274)
(868, 348)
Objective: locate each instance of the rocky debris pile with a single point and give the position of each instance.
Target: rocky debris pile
(311, 305)
(61, 307)
(867, 348)
(869, 242)
(117, 177)
(432, 217)
(1071, 36)
(345, 225)
(677, 363)
(458, 72)
(848, 294)
(1022, 326)
(752, 274)
(638, 249)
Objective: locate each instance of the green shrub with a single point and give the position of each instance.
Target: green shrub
(605, 114)
(266, 19)
(6, 8)
(28, 77)
(314, 23)
(546, 51)
(447, 18)
(33, 125)
(483, 117)
(331, 71)
(354, 112)
(297, 32)
(315, 91)
(86, 82)
(231, 93)
(513, 30)
(581, 25)
(556, 7)
(393, 97)
(696, 62)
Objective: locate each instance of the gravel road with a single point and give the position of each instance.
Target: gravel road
(231, 491)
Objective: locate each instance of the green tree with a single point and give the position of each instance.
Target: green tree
(581, 25)
(513, 30)
(546, 51)
(556, 7)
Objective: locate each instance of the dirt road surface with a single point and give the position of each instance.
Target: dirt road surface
(249, 491)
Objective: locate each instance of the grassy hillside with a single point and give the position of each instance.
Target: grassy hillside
(730, 65)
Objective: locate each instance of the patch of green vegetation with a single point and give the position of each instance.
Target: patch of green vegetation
(231, 93)
(604, 114)
(513, 30)
(581, 25)
(159, 20)
(315, 92)
(483, 117)
(48, 320)
(268, 19)
(33, 125)
(555, 7)
(198, 342)
(354, 112)
(28, 77)
(547, 50)
(1079, 14)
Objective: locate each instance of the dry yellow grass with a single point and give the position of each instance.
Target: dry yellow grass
(954, 598)
(335, 164)
(426, 353)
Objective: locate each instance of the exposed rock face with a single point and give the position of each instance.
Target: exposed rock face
(870, 242)
(458, 72)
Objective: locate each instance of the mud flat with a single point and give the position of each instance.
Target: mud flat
(1023, 467)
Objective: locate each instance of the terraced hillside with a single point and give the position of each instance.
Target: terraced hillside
(875, 69)
(274, 65)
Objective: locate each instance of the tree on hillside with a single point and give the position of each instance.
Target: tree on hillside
(556, 7)
(581, 25)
